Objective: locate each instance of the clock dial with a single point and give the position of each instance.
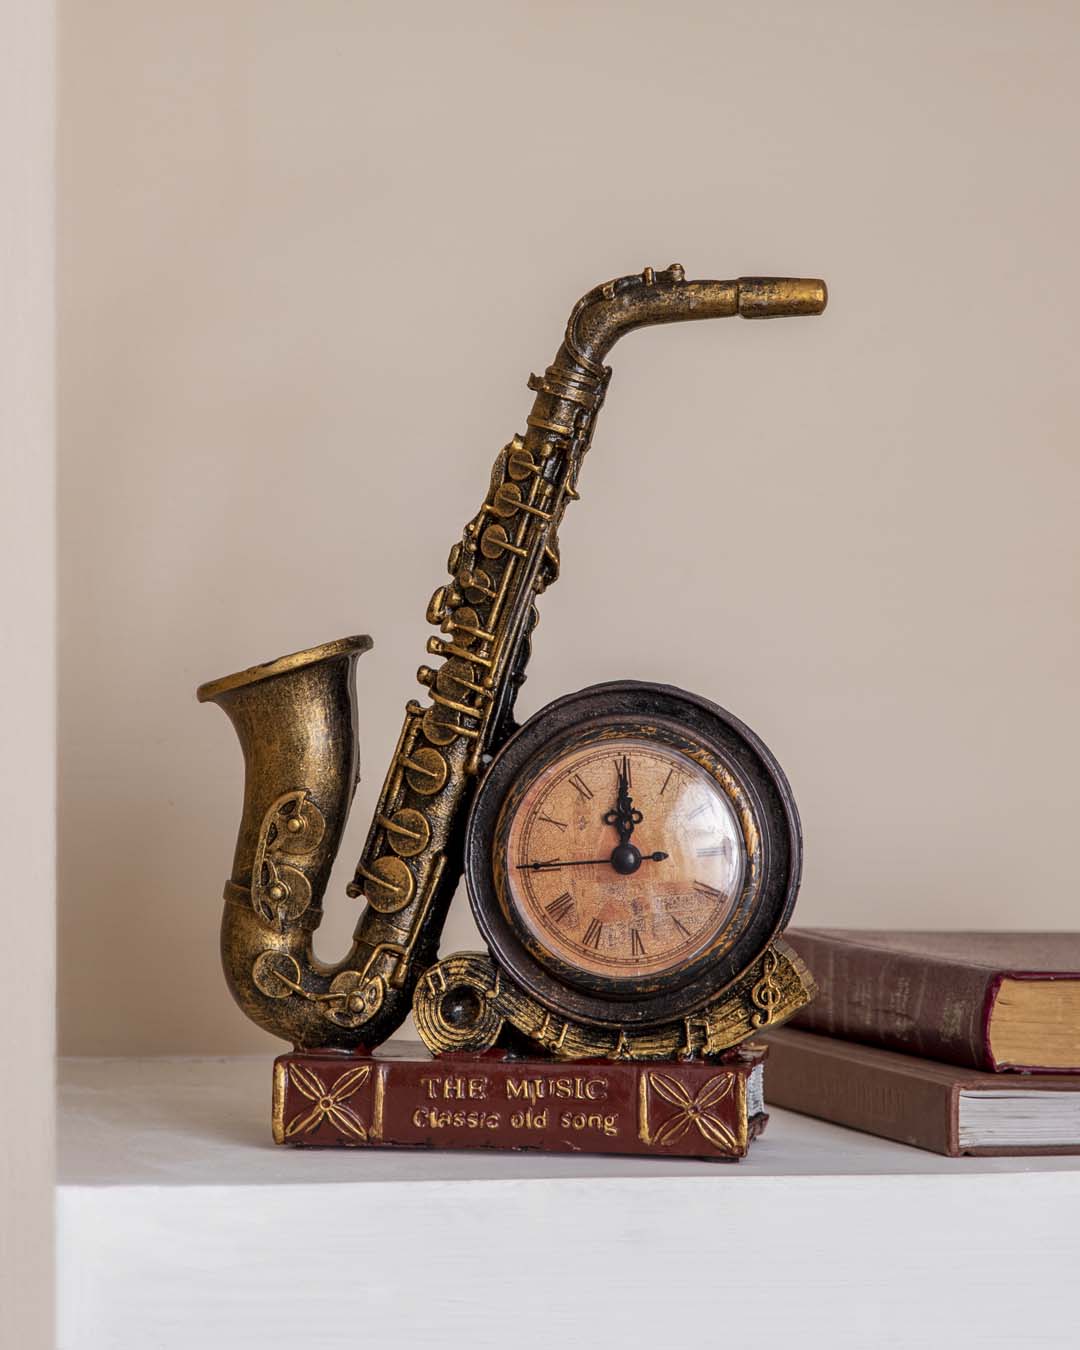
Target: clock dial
(624, 858)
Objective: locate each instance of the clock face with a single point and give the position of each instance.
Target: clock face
(624, 858)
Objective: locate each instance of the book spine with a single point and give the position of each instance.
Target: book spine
(818, 1081)
(900, 1001)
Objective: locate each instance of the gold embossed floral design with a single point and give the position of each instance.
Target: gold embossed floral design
(694, 1111)
(329, 1104)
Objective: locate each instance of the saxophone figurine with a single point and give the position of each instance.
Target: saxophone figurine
(295, 717)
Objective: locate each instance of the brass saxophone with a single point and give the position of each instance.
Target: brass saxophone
(295, 717)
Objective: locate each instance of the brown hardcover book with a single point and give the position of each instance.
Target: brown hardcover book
(990, 1001)
(402, 1096)
(915, 1101)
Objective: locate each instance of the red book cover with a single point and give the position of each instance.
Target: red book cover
(944, 996)
(939, 1107)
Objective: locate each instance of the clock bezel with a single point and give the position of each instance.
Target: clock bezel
(747, 773)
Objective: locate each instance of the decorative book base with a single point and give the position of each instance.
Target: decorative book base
(403, 1097)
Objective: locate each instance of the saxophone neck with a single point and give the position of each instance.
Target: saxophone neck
(602, 316)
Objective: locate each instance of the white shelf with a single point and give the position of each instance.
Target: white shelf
(178, 1220)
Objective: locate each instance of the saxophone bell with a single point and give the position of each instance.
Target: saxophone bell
(296, 722)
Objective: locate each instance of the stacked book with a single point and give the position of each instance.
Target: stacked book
(954, 1042)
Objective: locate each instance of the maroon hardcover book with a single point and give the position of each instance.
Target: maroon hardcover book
(939, 1107)
(993, 1001)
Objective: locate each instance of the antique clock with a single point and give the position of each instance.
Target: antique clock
(632, 853)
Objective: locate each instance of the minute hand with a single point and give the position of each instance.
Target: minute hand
(551, 865)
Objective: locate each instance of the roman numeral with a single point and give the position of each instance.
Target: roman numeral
(667, 780)
(592, 934)
(713, 851)
(710, 891)
(679, 925)
(698, 810)
(559, 824)
(625, 770)
(637, 947)
(561, 906)
(581, 786)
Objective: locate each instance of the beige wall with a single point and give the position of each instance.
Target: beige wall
(310, 254)
(27, 672)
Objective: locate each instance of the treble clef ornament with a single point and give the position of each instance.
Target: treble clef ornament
(766, 994)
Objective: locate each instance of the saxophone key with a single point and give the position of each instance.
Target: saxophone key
(407, 831)
(441, 731)
(475, 584)
(466, 620)
(514, 446)
(442, 604)
(457, 555)
(425, 771)
(508, 502)
(456, 676)
(426, 676)
(388, 884)
(454, 706)
(437, 608)
(353, 999)
(520, 464)
(494, 543)
(276, 974)
(436, 647)
(450, 682)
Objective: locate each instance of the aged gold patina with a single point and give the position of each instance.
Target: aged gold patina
(296, 722)
(726, 1022)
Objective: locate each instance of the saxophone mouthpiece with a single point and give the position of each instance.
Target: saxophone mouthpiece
(774, 297)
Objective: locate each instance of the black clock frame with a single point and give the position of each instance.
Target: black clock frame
(755, 785)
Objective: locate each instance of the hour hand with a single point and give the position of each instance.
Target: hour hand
(623, 817)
